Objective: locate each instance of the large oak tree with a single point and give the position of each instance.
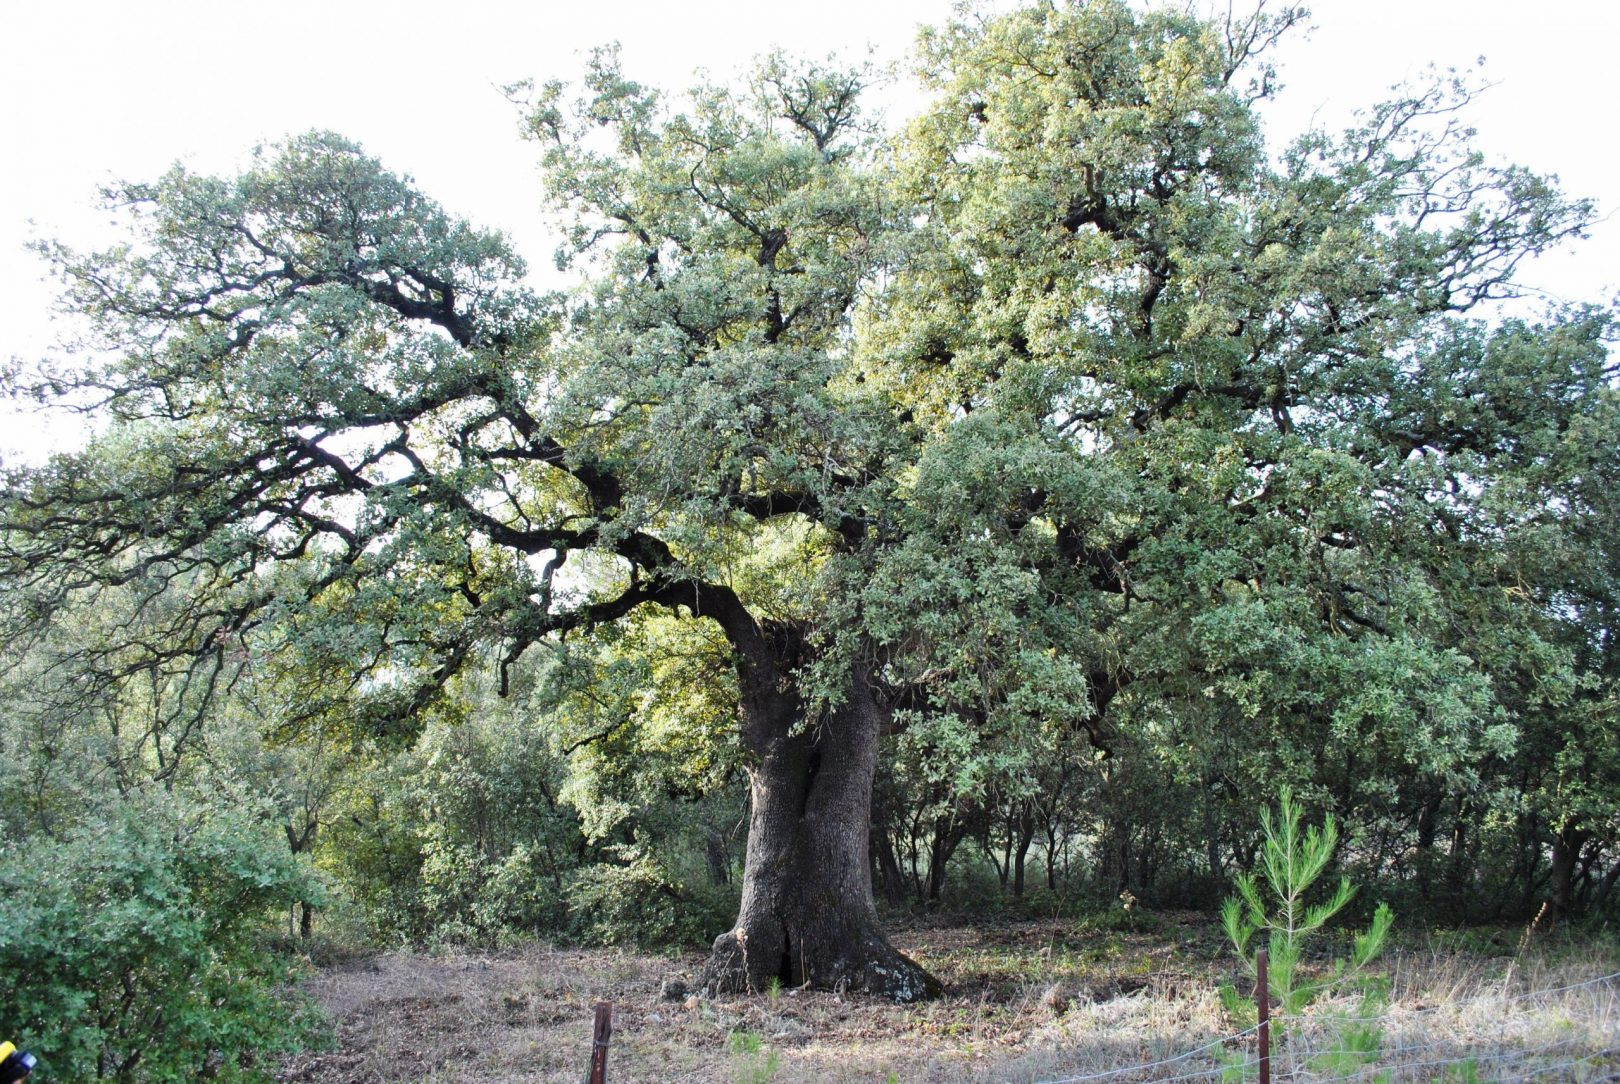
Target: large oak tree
(1075, 406)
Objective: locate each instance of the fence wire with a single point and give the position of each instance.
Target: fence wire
(1187, 1056)
(1528, 1036)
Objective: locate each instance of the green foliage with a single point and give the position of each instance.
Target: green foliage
(1116, 464)
(635, 901)
(480, 833)
(1463, 1072)
(752, 1061)
(373, 849)
(1356, 1041)
(495, 846)
(1117, 919)
(134, 948)
(1292, 860)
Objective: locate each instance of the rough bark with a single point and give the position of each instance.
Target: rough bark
(807, 915)
(715, 856)
(1566, 848)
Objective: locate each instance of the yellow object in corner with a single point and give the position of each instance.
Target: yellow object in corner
(14, 1064)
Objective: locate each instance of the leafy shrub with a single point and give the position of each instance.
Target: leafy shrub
(473, 898)
(639, 903)
(1121, 919)
(372, 847)
(134, 948)
(974, 888)
(459, 839)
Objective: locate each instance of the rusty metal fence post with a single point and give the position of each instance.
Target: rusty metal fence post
(1262, 1000)
(600, 1034)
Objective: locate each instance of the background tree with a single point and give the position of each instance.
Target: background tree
(1195, 410)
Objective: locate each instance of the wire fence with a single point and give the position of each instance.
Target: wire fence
(1565, 1033)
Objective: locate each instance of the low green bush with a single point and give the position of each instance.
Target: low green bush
(135, 949)
(640, 903)
(1122, 919)
(471, 898)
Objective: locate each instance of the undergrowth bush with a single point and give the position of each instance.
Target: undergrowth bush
(1122, 919)
(639, 903)
(469, 897)
(135, 948)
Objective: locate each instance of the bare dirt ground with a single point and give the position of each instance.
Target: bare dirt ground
(1027, 1001)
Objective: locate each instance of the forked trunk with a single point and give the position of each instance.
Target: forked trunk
(807, 914)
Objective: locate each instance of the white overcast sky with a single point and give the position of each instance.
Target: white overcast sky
(96, 90)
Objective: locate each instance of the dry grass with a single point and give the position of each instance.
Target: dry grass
(1027, 1002)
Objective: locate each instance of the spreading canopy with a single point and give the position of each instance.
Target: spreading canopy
(1076, 406)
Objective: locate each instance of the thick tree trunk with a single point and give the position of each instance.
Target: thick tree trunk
(807, 914)
(1566, 847)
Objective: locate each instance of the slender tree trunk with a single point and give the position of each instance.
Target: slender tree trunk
(1428, 823)
(1051, 857)
(1585, 879)
(890, 878)
(1026, 835)
(947, 835)
(915, 831)
(807, 915)
(1005, 862)
(1212, 839)
(716, 858)
(889, 873)
(1459, 867)
(1600, 898)
(298, 843)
